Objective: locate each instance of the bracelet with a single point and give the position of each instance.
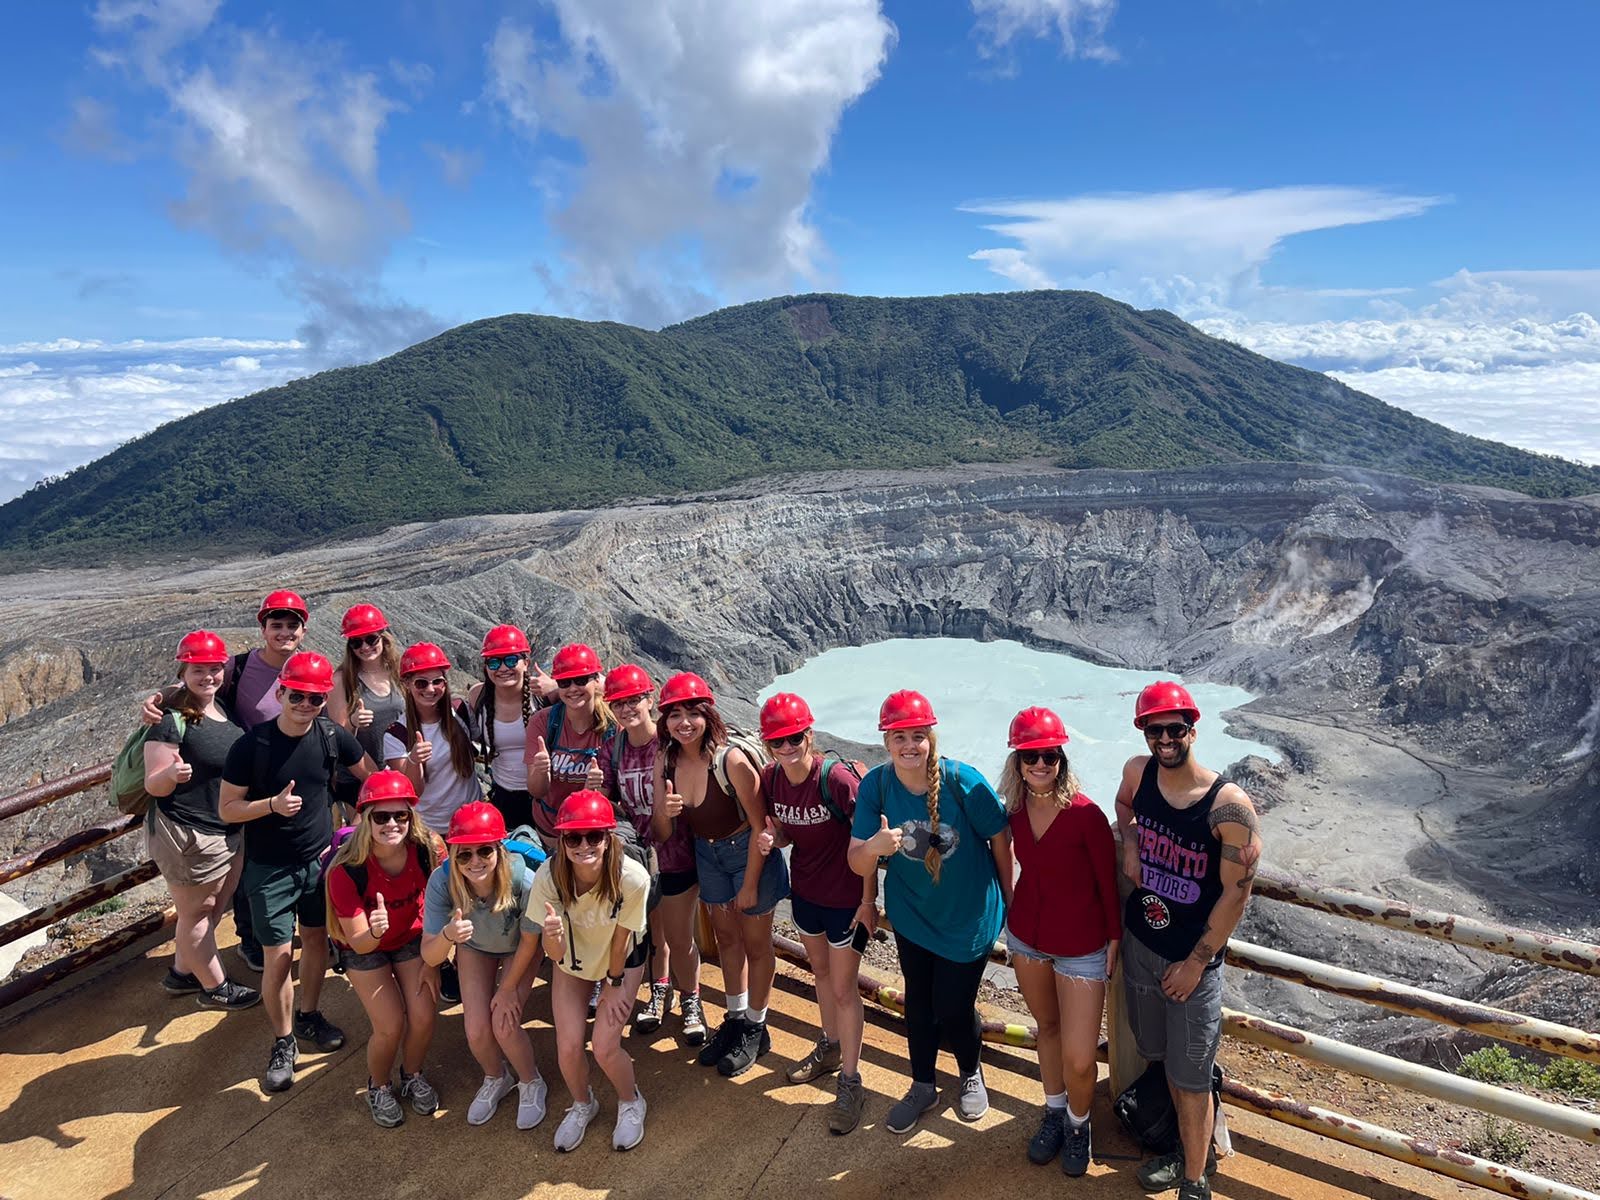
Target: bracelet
(270, 808)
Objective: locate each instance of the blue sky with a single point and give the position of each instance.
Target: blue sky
(200, 198)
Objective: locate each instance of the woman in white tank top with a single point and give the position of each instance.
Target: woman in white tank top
(512, 690)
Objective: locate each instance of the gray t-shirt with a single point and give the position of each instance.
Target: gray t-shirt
(492, 932)
(256, 699)
(204, 746)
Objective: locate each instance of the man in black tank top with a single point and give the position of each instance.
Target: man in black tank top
(1190, 844)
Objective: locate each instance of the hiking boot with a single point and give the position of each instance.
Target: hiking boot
(180, 983)
(1079, 1149)
(824, 1059)
(1046, 1144)
(228, 995)
(630, 1122)
(751, 1042)
(385, 1109)
(903, 1116)
(849, 1102)
(314, 1027)
(1195, 1189)
(531, 1102)
(250, 955)
(1165, 1172)
(449, 983)
(424, 1100)
(694, 1019)
(974, 1099)
(280, 1067)
(721, 1041)
(569, 1134)
(649, 1018)
(491, 1091)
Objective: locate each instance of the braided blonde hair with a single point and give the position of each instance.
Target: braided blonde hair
(934, 859)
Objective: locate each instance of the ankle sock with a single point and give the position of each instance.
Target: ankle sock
(1059, 1100)
(662, 982)
(1075, 1118)
(756, 1016)
(736, 1003)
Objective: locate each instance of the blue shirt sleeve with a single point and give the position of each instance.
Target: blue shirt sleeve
(985, 810)
(436, 902)
(869, 805)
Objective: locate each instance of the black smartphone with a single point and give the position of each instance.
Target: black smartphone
(859, 940)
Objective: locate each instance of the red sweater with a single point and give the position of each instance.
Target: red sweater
(1066, 902)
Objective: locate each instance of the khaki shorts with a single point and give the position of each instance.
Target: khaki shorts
(186, 857)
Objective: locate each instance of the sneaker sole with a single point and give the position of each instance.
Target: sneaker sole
(914, 1120)
(205, 1002)
(695, 1039)
(184, 990)
(576, 1144)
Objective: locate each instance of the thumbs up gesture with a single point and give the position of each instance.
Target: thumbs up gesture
(361, 715)
(287, 802)
(766, 838)
(542, 683)
(182, 771)
(672, 802)
(555, 933)
(421, 750)
(595, 778)
(887, 840)
(378, 918)
(541, 755)
(458, 929)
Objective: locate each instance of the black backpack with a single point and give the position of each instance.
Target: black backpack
(262, 734)
(1146, 1111)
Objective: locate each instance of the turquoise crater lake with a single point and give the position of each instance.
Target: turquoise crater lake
(977, 687)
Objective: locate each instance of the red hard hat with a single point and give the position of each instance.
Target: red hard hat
(574, 660)
(475, 824)
(424, 656)
(307, 672)
(785, 714)
(906, 710)
(1164, 696)
(202, 646)
(386, 785)
(505, 639)
(586, 810)
(283, 601)
(1037, 729)
(625, 681)
(362, 620)
(684, 687)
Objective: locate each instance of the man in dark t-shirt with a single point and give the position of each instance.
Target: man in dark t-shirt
(276, 783)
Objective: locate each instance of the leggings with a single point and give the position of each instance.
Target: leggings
(941, 1000)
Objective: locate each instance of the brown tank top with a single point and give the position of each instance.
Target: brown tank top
(718, 816)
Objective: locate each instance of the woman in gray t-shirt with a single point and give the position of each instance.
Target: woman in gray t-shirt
(366, 697)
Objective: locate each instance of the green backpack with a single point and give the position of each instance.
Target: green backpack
(127, 773)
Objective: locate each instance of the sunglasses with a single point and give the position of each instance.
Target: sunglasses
(1177, 731)
(591, 837)
(486, 851)
(390, 816)
(309, 699)
(507, 662)
(783, 743)
(1032, 758)
(366, 641)
(576, 681)
(428, 685)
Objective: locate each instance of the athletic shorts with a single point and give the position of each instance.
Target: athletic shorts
(1082, 966)
(281, 895)
(676, 883)
(1184, 1037)
(820, 920)
(381, 959)
(186, 856)
(721, 866)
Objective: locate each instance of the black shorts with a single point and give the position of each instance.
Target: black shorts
(676, 883)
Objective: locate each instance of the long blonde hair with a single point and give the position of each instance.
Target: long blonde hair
(500, 894)
(357, 849)
(1015, 790)
(609, 886)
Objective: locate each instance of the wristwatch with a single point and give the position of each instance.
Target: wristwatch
(614, 980)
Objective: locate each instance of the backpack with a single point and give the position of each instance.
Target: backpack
(829, 761)
(754, 749)
(127, 773)
(1145, 1109)
(398, 731)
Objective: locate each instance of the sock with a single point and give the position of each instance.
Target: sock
(1075, 1118)
(736, 1003)
(756, 1016)
(663, 982)
(1059, 1100)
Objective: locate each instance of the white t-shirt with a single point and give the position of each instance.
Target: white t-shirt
(508, 770)
(443, 791)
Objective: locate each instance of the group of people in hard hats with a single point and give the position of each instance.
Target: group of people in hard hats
(345, 802)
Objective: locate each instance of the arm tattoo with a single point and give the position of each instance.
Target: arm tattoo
(1236, 854)
(1203, 951)
(1238, 814)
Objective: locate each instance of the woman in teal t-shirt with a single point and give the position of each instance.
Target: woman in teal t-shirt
(943, 832)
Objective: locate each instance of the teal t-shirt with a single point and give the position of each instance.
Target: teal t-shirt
(492, 932)
(959, 917)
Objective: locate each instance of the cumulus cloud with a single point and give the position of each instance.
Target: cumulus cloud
(699, 126)
(1078, 26)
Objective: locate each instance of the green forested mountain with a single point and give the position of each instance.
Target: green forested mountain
(521, 413)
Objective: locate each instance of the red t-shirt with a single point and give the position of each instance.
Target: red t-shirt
(819, 864)
(402, 896)
(1066, 901)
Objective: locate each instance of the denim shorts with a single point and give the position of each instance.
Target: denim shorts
(1183, 1037)
(379, 959)
(820, 920)
(721, 866)
(1084, 966)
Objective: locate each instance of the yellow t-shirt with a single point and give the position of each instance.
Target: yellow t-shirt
(589, 922)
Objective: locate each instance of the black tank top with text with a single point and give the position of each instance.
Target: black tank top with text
(1180, 869)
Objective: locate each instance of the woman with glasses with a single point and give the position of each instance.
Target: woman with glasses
(570, 749)
(501, 705)
(366, 697)
(1063, 926)
(197, 853)
(432, 746)
(810, 799)
(375, 890)
(586, 909)
(474, 907)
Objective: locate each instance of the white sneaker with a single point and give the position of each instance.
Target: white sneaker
(630, 1122)
(569, 1135)
(492, 1091)
(530, 1102)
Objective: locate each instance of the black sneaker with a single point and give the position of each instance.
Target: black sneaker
(1046, 1144)
(1078, 1150)
(750, 1044)
(449, 983)
(314, 1027)
(180, 983)
(250, 955)
(280, 1067)
(228, 995)
(721, 1041)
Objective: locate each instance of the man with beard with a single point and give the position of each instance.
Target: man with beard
(1190, 844)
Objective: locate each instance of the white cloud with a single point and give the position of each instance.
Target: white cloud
(1078, 25)
(701, 125)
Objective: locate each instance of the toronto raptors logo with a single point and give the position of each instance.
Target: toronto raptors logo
(1156, 914)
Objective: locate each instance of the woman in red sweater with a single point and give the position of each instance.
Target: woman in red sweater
(1063, 927)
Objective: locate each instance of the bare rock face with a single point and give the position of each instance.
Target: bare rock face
(34, 674)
